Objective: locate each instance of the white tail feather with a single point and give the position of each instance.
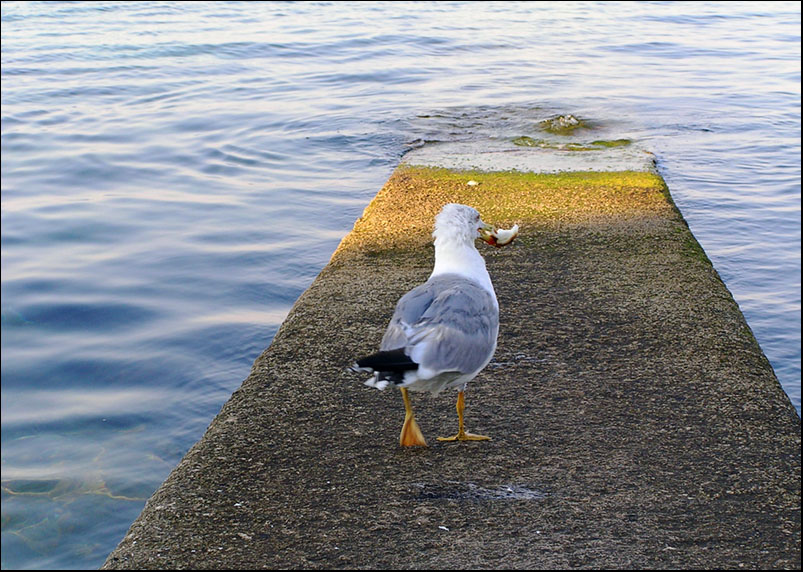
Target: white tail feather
(374, 381)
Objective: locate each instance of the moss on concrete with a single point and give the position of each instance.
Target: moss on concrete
(612, 143)
(401, 214)
(526, 141)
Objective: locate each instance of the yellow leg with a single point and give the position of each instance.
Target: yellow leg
(411, 435)
(461, 430)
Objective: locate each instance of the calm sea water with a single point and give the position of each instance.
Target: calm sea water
(174, 175)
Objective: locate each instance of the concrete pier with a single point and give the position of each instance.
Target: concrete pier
(635, 421)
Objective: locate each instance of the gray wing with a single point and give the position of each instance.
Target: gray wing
(448, 323)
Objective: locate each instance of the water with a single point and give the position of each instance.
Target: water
(174, 175)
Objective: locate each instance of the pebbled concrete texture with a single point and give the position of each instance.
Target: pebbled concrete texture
(635, 421)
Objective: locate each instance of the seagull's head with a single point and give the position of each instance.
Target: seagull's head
(461, 223)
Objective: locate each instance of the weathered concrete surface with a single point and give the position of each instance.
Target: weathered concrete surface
(635, 421)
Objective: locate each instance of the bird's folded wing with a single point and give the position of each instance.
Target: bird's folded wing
(447, 324)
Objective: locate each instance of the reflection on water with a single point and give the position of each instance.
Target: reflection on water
(174, 175)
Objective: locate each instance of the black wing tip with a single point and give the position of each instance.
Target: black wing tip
(391, 361)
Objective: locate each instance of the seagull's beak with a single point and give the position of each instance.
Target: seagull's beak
(487, 233)
(496, 237)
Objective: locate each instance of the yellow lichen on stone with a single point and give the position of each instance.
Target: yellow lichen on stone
(401, 215)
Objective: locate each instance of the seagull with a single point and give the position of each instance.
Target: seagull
(443, 332)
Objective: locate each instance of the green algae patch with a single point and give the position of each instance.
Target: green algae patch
(527, 141)
(612, 143)
(401, 214)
